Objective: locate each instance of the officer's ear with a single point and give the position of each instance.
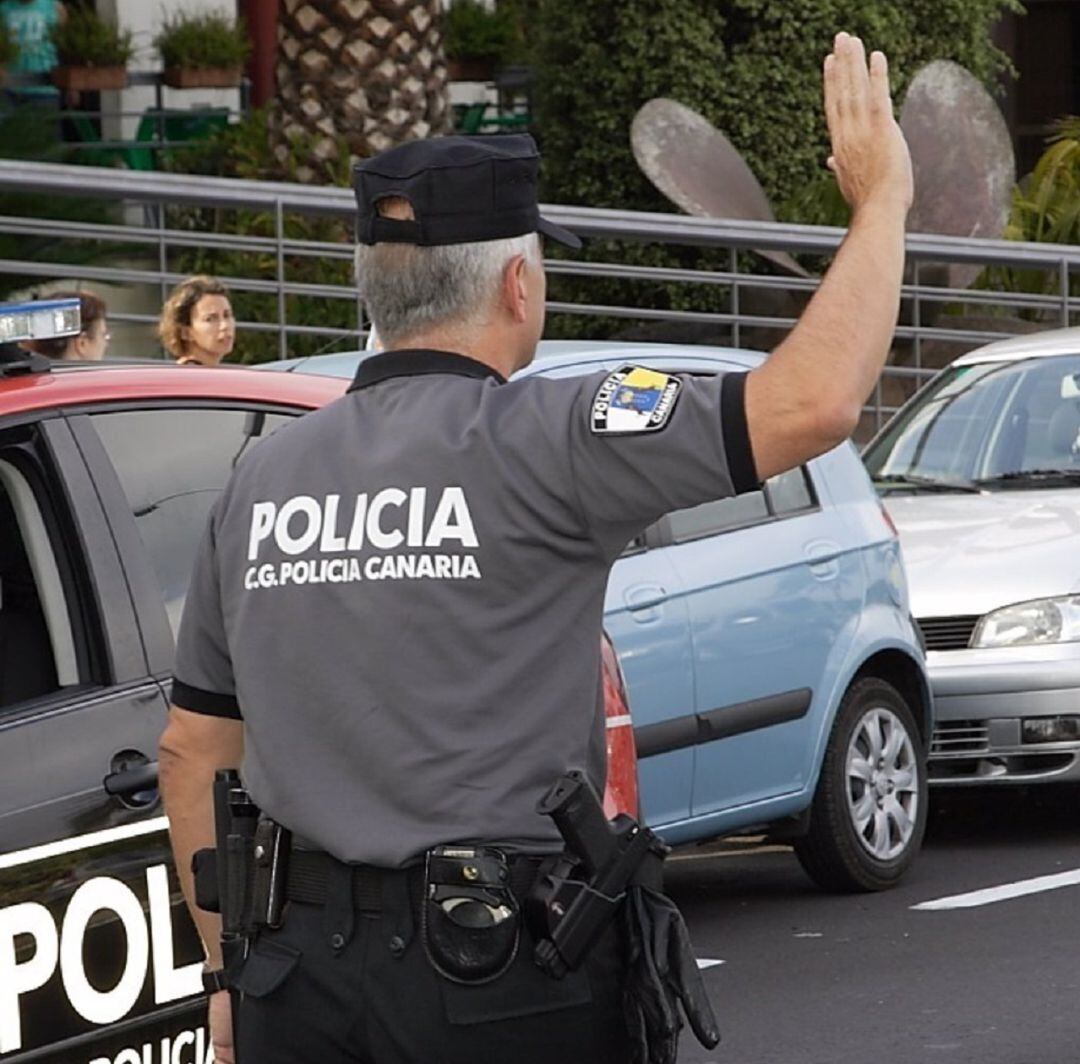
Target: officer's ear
(515, 289)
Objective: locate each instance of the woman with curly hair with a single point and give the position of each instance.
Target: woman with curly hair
(197, 326)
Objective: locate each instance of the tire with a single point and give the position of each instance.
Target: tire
(868, 816)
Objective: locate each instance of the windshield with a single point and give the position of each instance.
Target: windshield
(991, 424)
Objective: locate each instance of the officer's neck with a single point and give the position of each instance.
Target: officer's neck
(505, 351)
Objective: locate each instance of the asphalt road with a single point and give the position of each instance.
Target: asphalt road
(812, 978)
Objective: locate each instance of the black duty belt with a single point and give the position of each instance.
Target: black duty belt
(310, 872)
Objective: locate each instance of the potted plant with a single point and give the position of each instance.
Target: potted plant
(92, 53)
(477, 39)
(204, 50)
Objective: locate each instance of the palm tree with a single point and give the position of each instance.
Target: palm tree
(356, 77)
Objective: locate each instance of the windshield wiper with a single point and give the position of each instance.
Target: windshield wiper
(1020, 476)
(919, 483)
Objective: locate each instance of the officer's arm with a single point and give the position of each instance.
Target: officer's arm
(807, 396)
(193, 747)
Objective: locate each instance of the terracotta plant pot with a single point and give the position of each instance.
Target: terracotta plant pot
(202, 77)
(470, 69)
(89, 79)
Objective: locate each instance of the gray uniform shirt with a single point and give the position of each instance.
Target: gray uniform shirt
(402, 594)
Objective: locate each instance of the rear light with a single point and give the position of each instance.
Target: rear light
(621, 792)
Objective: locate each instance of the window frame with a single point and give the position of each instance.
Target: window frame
(660, 534)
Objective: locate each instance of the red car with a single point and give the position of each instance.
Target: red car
(107, 473)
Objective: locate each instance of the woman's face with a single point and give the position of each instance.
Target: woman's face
(91, 344)
(212, 332)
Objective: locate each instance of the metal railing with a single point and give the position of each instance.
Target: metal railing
(937, 321)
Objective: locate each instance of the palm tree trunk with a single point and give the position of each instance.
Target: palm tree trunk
(356, 77)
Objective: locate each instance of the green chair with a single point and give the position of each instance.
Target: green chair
(153, 127)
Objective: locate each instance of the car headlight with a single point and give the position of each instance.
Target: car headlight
(1052, 620)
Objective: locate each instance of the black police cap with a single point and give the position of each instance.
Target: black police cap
(462, 189)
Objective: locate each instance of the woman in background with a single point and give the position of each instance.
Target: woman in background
(91, 343)
(197, 326)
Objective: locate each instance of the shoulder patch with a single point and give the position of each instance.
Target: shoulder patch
(633, 399)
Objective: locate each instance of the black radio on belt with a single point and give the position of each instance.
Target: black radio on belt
(244, 877)
(577, 893)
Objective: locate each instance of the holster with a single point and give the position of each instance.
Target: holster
(470, 923)
(243, 878)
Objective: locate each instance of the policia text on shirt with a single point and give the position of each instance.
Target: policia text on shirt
(393, 626)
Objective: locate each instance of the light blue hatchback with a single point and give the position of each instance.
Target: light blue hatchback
(776, 678)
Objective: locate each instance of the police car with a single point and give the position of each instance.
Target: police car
(107, 473)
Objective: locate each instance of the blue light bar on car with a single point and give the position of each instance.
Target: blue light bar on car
(42, 319)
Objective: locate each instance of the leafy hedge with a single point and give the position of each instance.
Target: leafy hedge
(752, 67)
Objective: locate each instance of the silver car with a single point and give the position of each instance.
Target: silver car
(980, 471)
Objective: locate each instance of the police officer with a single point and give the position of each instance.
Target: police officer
(394, 620)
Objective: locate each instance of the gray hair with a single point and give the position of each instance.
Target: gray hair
(409, 289)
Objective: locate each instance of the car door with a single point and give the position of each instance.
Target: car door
(86, 898)
(80, 698)
(770, 592)
(98, 957)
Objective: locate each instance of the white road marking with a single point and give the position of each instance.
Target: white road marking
(703, 963)
(83, 842)
(1007, 890)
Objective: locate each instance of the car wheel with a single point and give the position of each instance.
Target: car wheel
(869, 810)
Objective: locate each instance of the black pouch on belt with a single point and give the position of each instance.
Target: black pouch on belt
(470, 923)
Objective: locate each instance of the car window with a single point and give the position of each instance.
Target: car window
(986, 420)
(172, 464)
(37, 649)
(782, 495)
(790, 493)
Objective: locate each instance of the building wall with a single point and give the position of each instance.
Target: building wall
(1044, 45)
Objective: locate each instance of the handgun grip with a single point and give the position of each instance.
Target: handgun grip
(577, 812)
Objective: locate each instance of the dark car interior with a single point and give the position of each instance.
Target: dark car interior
(27, 667)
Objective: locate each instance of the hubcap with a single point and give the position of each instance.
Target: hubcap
(882, 784)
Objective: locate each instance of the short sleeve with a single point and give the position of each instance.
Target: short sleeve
(627, 480)
(203, 679)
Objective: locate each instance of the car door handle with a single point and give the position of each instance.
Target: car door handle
(821, 551)
(644, 596)
(131, 780)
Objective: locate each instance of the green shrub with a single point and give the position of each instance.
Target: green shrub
(472, 31)
(751, 67)
(1045, 209)
(207, 39)
(84, 38)
(28, 132)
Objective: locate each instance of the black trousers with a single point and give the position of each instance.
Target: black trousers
(337, 983)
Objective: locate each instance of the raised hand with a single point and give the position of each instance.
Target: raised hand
(869, 154)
